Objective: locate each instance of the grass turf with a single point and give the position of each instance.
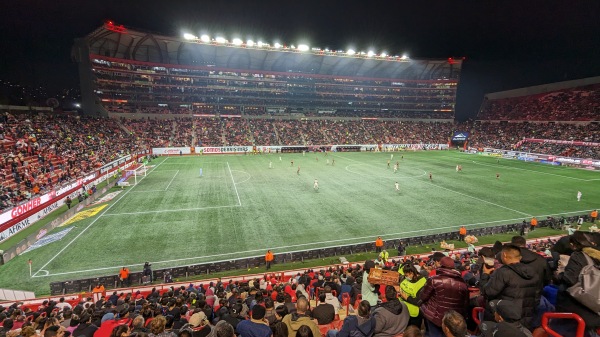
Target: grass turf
(240, 207)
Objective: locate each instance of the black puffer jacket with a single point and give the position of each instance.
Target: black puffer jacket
(538, 264)
(515, 282)
(445, 291)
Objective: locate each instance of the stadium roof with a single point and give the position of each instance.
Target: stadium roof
(123, 43)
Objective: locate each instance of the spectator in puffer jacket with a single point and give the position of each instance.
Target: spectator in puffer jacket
(513, 281)
(443, 292)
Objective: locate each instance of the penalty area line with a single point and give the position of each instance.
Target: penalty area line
(90, 225)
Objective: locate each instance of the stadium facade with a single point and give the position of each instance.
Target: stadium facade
(127, 71)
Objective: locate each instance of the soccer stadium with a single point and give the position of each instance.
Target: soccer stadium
(207, 174)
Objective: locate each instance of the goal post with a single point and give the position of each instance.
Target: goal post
(135, 172)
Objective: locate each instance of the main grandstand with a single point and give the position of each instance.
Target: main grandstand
(128, 71)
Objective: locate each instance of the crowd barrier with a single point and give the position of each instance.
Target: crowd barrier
(135, 278)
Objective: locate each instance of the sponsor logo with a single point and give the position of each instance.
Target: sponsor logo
(84, 215)
(26, 207)
(48, 239)
(212, 150)
(41, 234)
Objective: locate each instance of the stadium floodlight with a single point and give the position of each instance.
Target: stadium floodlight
(277, 45)
(371, 53)
(220, 39)
(259, 44)
(404, 57)
(303, 47)
(189, 36)
(383, 55)
(250, 43)
(351, 52)
(293, 47)
(205, 38)
(237, 42)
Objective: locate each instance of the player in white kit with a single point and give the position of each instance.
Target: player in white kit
(397, 186)
(316, 185)
(579, 195)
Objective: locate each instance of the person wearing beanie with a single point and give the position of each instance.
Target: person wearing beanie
(445, 291)
(257, 326)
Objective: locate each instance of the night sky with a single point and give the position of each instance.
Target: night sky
(508, 44)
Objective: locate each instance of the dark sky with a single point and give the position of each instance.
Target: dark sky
(508, 44)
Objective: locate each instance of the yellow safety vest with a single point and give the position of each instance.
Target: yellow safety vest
(412, 289)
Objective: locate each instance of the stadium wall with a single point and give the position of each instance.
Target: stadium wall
(582, 163)
(174, 151)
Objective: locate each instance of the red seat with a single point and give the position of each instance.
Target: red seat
(346, 301)
(562, 315)
(475, 314)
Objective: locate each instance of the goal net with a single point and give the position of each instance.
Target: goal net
(135, 172)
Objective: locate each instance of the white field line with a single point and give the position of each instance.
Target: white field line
(538, 172)
(522, 169)
(466, 195)
(299, 245)
(172, 210)
(93, 222)
(234, 186)
(172, 180)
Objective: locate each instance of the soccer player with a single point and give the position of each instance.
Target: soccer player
(430, 177)
(456, 168)
(397, 186)
(298, 171)
(391, 156)
(395, 168)
(388, 163)
(279, 158)
(292, 162)
(332, 162)
(578, 195)
(497, 175)
(327, 161)
(316, 185)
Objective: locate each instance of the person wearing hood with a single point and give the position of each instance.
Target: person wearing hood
(295, 320)
(362, 324)
(445, 291)
(513, 281)
(391, 317)
(580, 245)
(535, 261)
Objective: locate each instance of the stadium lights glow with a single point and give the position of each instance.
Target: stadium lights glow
(250, 43)
(383, 54)
(303, 47)
(404, 57)
(293, 47)
(351, 52)
(189, 36)
(259, 44)
(205, 38)
(237, 42)
(371, 53)
(277, 45)
(220, 40)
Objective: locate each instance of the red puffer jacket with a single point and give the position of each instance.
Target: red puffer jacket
(445, 291)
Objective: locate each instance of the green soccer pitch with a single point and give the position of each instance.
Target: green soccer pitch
(241, 207)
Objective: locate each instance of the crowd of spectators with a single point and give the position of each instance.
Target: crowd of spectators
(508, 135)
(514, 283)
(40, 151)
(576, 104)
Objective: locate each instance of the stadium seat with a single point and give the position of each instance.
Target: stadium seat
(561, 315)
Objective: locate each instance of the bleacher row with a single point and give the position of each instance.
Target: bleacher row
(136, 278)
